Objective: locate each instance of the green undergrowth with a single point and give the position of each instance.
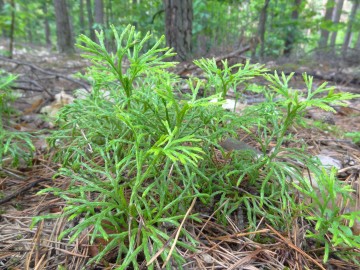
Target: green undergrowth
(15, 146)
(354, 136)
(138, 152)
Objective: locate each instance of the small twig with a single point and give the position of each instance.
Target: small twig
(357, 167)
(161, 250)
(178, 233)
(335, 140)
(290, 244)
(349, 107)
(26, 88)
(86, 139)
(229, 237)
(175, 239)
(12, 173)
(46, 72)
(27, 187)
(245, 260)
(218, 59)
(37, 85)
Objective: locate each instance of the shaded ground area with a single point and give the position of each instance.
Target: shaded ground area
(220, 247)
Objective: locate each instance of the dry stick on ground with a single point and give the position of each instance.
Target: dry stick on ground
(229, 237)
(85, 86)
(338, 78)
(21, 190)
(176, 234)
(32, 82)
(29, 89)
(291, 245)
(245, 260)
(218, 59)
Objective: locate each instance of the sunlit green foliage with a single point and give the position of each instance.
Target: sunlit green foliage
(218, 25)
(14, 145)
(138, 156)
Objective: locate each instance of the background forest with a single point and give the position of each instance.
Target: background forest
(180, 134)
(273, 28)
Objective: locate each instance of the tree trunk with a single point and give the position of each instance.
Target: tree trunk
(1, 9)
(99, 13)
(81, 17)
(63, 28)
(291, 36)
(357, 47)
(178, 26)
(12, 29)
(328, 16)
(349, 27)
(90, 20)
(28, 26)
(29, 31)
(46, 24)
(336, 20)
(109, 14)
(133, 11)
(262, 27)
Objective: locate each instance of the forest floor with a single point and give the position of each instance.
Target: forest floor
(47, 74)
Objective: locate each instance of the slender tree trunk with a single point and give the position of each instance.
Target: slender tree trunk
(63, 28)
(12, 29)
(46, 24)
(90, 20)
(109, 14)
(291, 36)
(357, 47)
(262, 27)
(99, 13)
(349, 27)
(1, 9)
(81, 17)
(178, 26)
(133, 9)
(109, 42)
(336, 19)
(28, 26)
(29, 31)
(324, 36)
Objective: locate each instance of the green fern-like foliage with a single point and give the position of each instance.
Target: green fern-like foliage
(138, 155)
(14, 145)
(133, 151)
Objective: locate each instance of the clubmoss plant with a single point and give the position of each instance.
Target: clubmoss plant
(355, 136)
(133, 151)
(332, 209)
(138, 155)
(274, 199)
(14, 145)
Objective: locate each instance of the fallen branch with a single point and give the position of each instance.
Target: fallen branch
(27, 88)
(21, 190)
(57, 75)
(233, 54)
(32, 82)
(218, 59)
(337, 78)
(297, 249)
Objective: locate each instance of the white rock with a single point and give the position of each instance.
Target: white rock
(329, 162)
